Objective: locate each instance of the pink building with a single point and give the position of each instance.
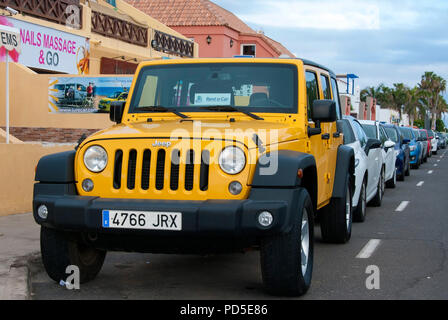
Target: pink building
(218, 32)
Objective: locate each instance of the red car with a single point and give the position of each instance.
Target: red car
(429, 142)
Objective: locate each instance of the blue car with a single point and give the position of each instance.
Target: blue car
(415, 147)
(402, 150)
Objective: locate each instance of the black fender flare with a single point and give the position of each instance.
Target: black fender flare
(345, 165)
(56, 168)
(284, 173)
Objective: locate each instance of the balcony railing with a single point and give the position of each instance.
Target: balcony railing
(116, 28)
(51, 10)
(170, 44)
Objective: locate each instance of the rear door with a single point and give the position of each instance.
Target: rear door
(389, 154)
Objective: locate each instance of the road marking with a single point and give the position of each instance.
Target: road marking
(420, 183)
(368, 249)
(435, 164)
(402, 206)
(430, 172)
(438, 160)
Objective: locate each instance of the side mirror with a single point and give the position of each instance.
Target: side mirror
(323, 111)
(372, 144)
(406, 141)
(389, 144)
(116, 111)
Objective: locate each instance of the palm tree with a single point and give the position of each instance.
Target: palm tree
(371, 92)
(412, 105)
(432, 87)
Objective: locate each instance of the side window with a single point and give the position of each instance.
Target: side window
(362, 136)
(334, 87)
(325, 86)
(312, 90)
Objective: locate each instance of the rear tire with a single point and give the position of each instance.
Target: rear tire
(407, 173)
(376, 202)
(58, 252)
(336, 218)
(359, 214)
(287, 260)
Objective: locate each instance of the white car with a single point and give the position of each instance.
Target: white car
(375, 130)
(369, 167)
(434, 142)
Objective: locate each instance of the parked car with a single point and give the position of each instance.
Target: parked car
(375, 130)
(434, 144)
(104, 104)
(428, 142)
(139, 187)
(402, 150)
(70, 93)
(415, 147)
(369, 187)
(441, 141)
(423, 139)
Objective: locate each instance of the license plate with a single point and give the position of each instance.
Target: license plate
(145, 220)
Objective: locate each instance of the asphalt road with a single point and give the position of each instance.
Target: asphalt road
(411, 256)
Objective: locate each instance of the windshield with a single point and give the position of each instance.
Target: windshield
(430, 134)
(370, 130)
(392, 134)
(407, 133)
(253, 87)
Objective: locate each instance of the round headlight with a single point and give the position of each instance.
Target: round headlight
(232, 160)
(95, 159)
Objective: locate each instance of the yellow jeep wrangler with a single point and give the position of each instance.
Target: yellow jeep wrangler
(206, 156)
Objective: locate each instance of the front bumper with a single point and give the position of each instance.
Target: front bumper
(211, 219)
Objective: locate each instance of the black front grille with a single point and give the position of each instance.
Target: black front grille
(175, 162)
(163, 167)
(160, 169)
(132, 165)
(118, 165)
(189, 171)
(146, 165)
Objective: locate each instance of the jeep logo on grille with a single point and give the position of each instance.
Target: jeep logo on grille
(161, 144)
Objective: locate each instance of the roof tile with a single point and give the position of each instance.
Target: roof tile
(176, 13)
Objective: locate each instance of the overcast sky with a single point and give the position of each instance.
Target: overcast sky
(379, 40)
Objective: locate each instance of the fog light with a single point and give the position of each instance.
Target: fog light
(42, 211)
(235, 188)
(265, 219)
(87, 185)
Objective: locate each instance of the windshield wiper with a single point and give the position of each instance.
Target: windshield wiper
(163, 109)
(231, 109)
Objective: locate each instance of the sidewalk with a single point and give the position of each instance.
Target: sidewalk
(19, 241)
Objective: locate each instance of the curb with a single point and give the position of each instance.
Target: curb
(17, 281)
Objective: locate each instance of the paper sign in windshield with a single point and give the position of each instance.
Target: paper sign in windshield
(212, 99)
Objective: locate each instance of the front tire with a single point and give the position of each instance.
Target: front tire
(287, 260)
(58, 252)
(336, 218)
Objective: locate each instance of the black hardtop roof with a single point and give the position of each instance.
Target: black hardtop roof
(314, 64)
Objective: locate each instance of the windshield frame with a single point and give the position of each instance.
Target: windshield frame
(133, 109)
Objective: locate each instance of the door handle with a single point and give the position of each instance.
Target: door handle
(326, 136)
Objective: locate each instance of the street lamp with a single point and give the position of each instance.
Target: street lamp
(209, 40)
